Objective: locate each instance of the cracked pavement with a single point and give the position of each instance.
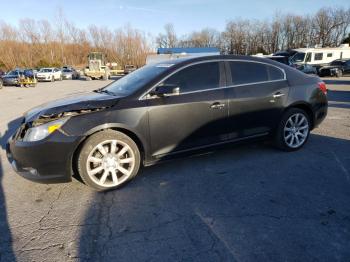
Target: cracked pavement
(239, 203)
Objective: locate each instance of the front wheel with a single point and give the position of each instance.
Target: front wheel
(293, 130)
(108, 159)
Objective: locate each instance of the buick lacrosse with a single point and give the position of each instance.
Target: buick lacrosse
(163, 110)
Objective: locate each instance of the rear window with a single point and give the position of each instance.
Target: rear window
(252, 72)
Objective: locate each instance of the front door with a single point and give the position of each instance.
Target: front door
(192, 117)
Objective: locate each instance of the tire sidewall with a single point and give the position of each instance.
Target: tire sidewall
(90, 144)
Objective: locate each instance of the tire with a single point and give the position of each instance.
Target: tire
(287, 136)
(102, 169)
(339, 73)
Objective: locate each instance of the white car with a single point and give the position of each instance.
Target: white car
(49, 74)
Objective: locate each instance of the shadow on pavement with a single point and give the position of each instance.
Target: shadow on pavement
(6, 252)
(248, 203)
(338, 96)
(338, 99)
(11, 128)
(336, 81)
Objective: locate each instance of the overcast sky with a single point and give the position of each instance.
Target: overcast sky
(151, 15)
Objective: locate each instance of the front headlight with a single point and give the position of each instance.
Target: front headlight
(40, 132)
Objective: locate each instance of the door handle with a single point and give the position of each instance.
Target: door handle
(277, 95)
(217, 105)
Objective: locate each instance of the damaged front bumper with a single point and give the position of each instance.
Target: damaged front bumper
(45, 161)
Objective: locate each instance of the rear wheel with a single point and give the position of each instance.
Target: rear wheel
(293, 130)
(339, 73)
(108, 159)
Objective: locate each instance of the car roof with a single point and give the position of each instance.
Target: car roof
(192, 59)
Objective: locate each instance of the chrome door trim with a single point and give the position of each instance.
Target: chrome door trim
(143, 96)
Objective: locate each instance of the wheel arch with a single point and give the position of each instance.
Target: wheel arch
(305, 107)
(130, 133)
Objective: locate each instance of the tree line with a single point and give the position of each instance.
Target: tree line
(33, 43)
(329, 27)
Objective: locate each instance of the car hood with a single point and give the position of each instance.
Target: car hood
(74, 103)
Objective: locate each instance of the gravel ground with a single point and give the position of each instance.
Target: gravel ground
(241, 203)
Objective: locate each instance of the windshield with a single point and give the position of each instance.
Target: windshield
(298, 57)
(12, 73)
(67, 71)
(338, 62)
(135, 80)
(45, 70)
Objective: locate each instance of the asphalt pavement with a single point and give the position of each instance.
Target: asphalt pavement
(241, 203)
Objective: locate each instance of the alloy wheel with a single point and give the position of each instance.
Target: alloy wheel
(296, 130)
(110, 163)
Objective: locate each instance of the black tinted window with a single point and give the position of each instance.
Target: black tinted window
(251, 72)
(275, 73)
(248, 72)
(197, 77)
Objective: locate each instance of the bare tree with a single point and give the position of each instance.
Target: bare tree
(169, 39)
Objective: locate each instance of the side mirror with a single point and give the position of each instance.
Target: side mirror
(164, 90)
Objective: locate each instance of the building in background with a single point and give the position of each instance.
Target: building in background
(164, 54)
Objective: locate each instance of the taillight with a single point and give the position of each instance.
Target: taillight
(322, 87)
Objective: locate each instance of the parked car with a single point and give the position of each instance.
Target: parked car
(70, 73)
(163, 110)
(49, 74)
(337, 68)
(284, 59)
(280, 59)
(12, 77)
(129, 68)
(305, 68)
(319, 57)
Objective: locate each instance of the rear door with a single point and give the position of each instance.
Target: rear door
(194, 117)
(257, 95)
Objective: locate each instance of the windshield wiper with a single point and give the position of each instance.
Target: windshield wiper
(102, 90)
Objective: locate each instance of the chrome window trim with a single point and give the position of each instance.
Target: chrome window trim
(143, 96)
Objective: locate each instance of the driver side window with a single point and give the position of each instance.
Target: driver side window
(195, 78)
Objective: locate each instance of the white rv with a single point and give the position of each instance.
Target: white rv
(318, 56)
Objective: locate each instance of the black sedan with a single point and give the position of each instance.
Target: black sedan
(163, 110)
(336, 68)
